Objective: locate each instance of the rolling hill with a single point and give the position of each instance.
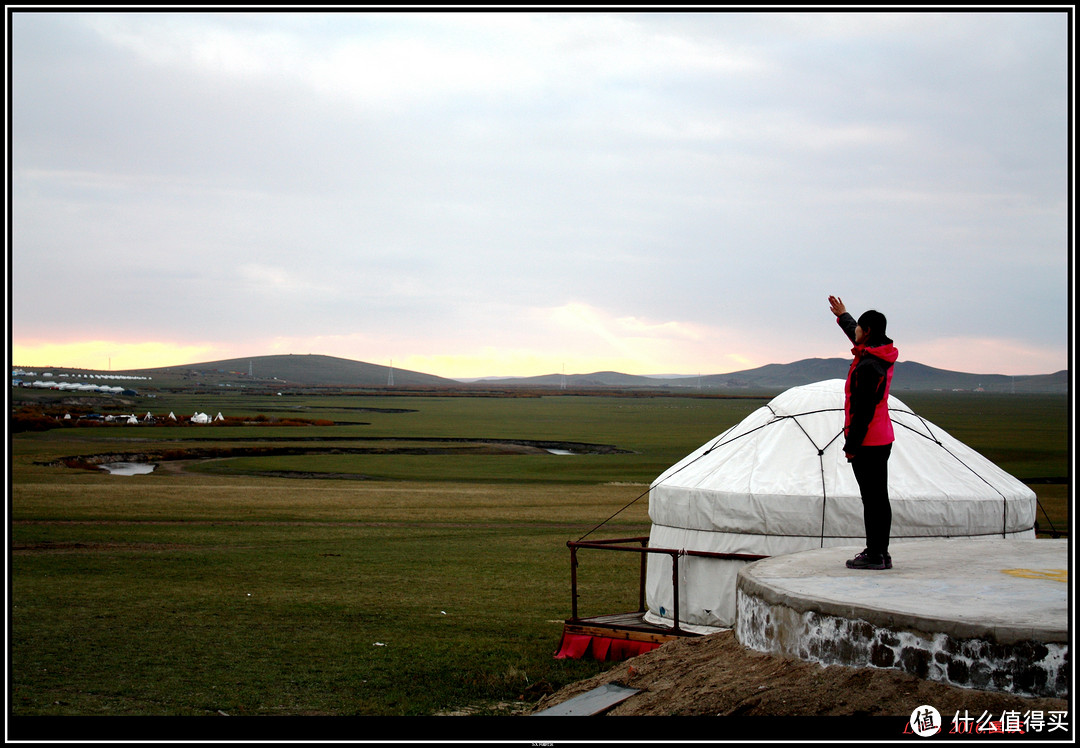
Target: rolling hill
(909, 375)
(329, 371)
(299, 370)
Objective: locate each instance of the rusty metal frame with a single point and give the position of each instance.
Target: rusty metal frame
(642, 548)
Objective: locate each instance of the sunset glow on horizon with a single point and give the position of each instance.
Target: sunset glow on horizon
(971, 356)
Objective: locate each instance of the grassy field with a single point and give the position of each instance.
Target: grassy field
(435, 584)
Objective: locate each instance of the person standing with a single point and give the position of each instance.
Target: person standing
(868, 431)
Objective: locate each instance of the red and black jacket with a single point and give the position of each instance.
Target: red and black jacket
(866, 392)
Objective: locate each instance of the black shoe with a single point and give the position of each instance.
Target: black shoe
(866, 561)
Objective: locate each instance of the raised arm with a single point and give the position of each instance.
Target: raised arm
(845, 320)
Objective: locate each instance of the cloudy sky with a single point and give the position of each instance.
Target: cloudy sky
(474, 194)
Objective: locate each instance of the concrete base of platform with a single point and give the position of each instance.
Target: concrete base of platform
(987, 614)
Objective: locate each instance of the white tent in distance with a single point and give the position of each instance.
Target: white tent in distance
(778, 483)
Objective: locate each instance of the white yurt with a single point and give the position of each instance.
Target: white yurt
(778, 483)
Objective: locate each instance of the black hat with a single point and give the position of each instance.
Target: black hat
(874, 321)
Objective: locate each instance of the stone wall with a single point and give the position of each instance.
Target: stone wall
(1027, 668)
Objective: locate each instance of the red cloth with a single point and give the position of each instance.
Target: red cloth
(573, 646)
(576, 646)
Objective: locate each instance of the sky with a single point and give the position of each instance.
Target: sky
(475, 194)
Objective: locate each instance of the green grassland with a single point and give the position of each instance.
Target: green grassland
(381, 583)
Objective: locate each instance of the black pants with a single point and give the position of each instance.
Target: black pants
(871, 468)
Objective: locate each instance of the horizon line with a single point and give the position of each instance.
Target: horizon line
(473, 380)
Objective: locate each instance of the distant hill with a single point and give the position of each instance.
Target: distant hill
(915, 376)
(329, 371)
(909, 375)
(302, 370)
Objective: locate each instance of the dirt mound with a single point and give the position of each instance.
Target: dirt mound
(716, 676)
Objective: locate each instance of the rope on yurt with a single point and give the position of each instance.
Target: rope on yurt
(721, 443)
(821, 459)
(1004, 510)
(929, 435)
(716, 445)
(613, 516)
(1053, 530)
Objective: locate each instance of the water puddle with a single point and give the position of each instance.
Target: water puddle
(560, 451)
(128, 468)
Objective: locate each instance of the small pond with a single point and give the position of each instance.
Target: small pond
(128, 468)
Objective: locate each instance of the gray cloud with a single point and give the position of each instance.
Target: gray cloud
(241, 177)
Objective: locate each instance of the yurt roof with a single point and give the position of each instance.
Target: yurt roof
(778, 482)
(788, 456)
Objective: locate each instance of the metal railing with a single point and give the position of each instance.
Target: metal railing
(621, 544)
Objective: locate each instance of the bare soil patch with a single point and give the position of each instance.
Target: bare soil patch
(716, 676)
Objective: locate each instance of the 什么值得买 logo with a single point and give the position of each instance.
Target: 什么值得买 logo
(925, 721)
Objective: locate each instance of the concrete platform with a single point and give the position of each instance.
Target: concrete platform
(988, 614)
